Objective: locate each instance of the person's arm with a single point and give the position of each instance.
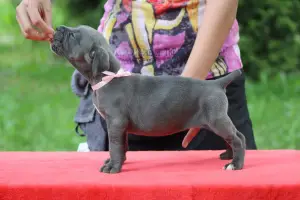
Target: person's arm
(218, 19)
(79, 84)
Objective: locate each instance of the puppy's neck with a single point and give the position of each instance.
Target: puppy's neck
(114, 67)
(109, 77)
(114, 64)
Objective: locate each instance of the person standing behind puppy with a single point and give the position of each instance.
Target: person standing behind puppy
(190, 38)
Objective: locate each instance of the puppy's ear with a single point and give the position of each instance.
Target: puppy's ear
(100, 60)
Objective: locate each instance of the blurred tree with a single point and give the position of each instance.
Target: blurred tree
(84, 12)
(270, 39)
(269, 30)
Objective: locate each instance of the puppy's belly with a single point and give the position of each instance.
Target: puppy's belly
(157, 129)
(153, 132)
(159, 122)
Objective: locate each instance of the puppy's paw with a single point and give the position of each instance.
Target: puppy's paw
(108, 159)
(227, 155)
(233, 166)
(109, 168)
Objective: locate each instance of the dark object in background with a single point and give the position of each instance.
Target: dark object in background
(95, 132)
(84, 12)
(92, 124)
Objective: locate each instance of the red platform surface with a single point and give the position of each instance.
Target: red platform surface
(188, 175)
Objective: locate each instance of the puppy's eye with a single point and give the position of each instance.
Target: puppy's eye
(72, 34)
(92, 54)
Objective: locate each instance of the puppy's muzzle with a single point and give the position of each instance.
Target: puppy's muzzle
(58, 39)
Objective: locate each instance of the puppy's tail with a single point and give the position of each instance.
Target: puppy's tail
(226, 80)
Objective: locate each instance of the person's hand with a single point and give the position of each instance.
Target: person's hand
(78, 84)
(35, 19)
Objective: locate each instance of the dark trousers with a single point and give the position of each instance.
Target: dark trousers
(205, 140)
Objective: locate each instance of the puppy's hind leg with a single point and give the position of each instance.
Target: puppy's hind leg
(224, 127)
(117, 145)
(228, 154)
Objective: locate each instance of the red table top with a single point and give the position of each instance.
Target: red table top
(156, 174)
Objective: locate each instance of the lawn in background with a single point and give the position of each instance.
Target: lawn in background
(37, 106)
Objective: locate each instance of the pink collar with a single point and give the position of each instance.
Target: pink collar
(109, 77)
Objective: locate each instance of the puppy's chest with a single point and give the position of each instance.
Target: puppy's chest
(97, 98)
(101, 113)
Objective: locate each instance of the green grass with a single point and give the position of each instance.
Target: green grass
(37, 106)
(274, 108)
(36, 103)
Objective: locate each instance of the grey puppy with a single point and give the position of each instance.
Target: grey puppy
(147, 105)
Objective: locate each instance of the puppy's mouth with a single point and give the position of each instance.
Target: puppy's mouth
(57, 43)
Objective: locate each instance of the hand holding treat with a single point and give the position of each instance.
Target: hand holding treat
(35, 19)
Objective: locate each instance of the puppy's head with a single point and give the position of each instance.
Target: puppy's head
(85, 48)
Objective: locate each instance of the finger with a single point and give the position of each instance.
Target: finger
(28, 31)
(189, 136)
(50, 39)
(18, 10)
(48, 20)
(48, 13)
(38, 22)
(21, 27)
(33, 35)
(34, 10)
(48, 17)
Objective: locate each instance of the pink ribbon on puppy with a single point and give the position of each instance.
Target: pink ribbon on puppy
(109, 77)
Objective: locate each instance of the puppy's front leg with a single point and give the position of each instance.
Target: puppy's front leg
(126, 149)
(117, 145)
